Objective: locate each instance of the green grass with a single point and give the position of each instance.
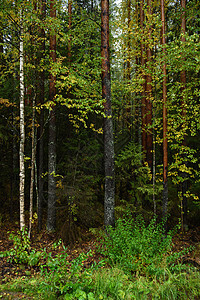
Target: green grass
(140, 264)
(114, 284)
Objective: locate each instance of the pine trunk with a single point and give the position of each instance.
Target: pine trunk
(143, 102)
(70, 25)
(165, 153)
(149, 136)
(109, 200)
(183, 86)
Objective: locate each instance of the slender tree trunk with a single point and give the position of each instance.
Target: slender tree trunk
(143, 102)
(22, 129)
(127, 67)
(41, 129)
(70, 25)
(1, 45)
(149, 137)
(51, 214)
(109, 200)
(183, 83)
(154, 157)
(129, 43)
(15, 160)
(165, 153)
(32, 168)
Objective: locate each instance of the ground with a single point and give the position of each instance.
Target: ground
(44, 240)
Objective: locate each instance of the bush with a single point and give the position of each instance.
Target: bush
(62, 277)
(22, 252)
(137, 248)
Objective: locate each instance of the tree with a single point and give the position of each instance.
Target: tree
(109, 200)
(149, 136)
(70, 26)
(143, 102)
(51, 214)
(41, 86)
(165, 152)
(183, 82)
(22, 128)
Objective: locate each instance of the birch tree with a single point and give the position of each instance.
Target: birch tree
(22, 128)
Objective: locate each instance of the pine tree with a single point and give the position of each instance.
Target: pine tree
(109, 200)
(51, 213)
(165, 152)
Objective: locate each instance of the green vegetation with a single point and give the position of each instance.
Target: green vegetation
(100, 106)
(138, 264)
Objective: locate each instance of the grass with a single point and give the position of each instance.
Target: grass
(114, 284)
(136, 266)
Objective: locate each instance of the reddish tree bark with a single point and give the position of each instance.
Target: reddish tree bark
(165, 152)
(129, 43)
(109, 200)
(70, 25)
(149, 136)
(183, 86)
(183, 31)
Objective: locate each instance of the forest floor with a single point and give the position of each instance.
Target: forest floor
(39, 241)
(43, 240)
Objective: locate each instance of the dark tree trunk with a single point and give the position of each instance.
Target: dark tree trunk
(165, 153)
(51, 214)
(109, 201)
(41, 129)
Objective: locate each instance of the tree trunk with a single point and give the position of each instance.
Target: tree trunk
(183, 86)
(32, 168)
(165, 153)
(70, 25)
(143, 102)
(51, 214)
(129, 44)
(41, 129)
(22, 129)
(1, 45)
(109, 200)
(149, 137)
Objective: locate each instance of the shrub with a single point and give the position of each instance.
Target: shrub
(21, 252)
(137, 248)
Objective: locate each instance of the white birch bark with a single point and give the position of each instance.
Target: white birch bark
(22, 129)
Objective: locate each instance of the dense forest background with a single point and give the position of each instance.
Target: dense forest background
(53, 112)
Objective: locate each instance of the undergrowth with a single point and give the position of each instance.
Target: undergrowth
(142, 266)
(139, 249)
